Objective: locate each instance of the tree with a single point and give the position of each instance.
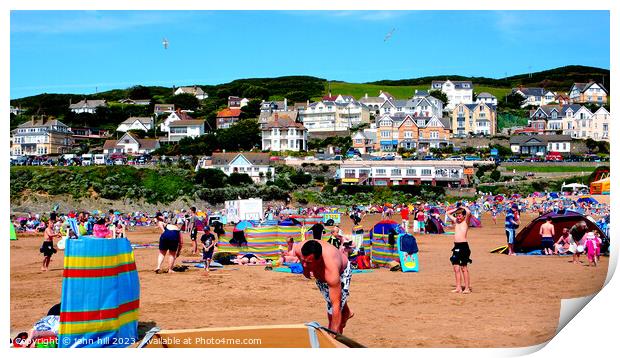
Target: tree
(139, 92)
(239, 179)
(245, 134)
(300, 178)
(440, 95)
(210, 178)
(251, 110)
(513, 100)
(495, 175)
(184, 101)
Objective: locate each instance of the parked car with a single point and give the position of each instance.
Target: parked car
(455, 157)
(21, 160)
(472, 158)
(119, 161)
(429, 157)
(356, 158)
(553, 157)
(530, 174)
(388, 157)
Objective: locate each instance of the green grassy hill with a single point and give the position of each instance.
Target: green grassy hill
(358, 90)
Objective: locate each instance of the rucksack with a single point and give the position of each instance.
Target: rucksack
(199, 224)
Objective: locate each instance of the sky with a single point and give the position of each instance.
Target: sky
(83, 52)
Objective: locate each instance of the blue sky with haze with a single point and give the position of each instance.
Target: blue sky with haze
(78, 51)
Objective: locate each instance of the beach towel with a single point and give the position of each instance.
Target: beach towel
(100, 294)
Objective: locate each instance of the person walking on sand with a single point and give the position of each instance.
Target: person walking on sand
(47, 249)
(171, 242)
(460, 253)
(332, 271)
(208, 246)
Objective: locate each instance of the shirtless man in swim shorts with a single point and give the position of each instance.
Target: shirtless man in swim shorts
(332, 272)
(460, 253)
(547, 232)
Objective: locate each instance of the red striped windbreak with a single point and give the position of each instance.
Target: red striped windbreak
(99, 314)
(110, 271)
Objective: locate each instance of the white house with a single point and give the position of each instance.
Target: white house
(87, 105)
(600, 125)
(373, 103)
(580, 124)
(173, 117)
(487, 98)
(284, 134)
(191, 128)
(456, 91)
(136, 123)
(328, 116)
(130, 144)
(193, 90)
(540, 144)
(591, 92)
(535, 96)
(256, 165)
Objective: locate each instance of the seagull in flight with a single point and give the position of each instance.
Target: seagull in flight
(389, 35)
(165, 43)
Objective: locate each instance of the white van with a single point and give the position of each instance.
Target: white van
(99, 159)
(87, 159)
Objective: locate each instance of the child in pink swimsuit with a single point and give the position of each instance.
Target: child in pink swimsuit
(591, 247)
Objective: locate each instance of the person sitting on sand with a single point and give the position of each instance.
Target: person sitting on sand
(286, 256)
(171, 242)
(563, 244)
(46, 327)
(101, 230)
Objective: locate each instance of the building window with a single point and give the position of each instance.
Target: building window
(426, 172)
(380, 171)
(411, 172)
(395, 172)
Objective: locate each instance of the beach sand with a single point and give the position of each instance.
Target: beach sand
(515, 300)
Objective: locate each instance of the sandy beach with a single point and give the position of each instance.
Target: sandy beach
(515, 300)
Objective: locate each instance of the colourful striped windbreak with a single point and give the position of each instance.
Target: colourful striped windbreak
(100, 294)
(264, 241)
(381, 251)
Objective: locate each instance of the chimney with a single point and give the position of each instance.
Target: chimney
(32, 120)
(365, 95)
(43, 119)
(275, 116)
(307, 103)
(285, 105)
(330, 94)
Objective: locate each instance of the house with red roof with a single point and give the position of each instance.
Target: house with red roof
(284, 133)
(177, 115)
(227, 117)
